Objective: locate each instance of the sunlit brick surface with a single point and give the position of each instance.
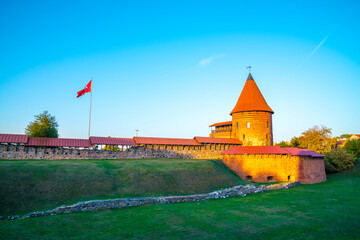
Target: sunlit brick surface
(260, 131)
(276, 167)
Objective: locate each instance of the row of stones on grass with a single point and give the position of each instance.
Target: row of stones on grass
(95, 205)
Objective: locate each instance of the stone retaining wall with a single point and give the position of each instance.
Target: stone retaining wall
(94, 205)
(138, 152)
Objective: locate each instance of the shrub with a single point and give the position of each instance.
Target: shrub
(338, 160)
(353, 146)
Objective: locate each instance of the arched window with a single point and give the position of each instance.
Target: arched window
(248, 124)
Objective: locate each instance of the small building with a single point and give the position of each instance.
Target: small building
(341, 142)
(354, 137)
(274, 163)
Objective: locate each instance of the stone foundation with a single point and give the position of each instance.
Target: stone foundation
(95, 205)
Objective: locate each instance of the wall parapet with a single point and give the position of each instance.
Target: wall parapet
(136, 152)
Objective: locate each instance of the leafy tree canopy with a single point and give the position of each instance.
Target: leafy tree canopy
(345, 135)
(338, 160)
(317, 139)
(284, 144)
(353, 146)
(295, 142)
(44, 125)
(111, 148)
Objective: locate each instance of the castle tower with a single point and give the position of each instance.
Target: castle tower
(252, 117)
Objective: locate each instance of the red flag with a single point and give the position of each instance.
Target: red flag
(85, 90)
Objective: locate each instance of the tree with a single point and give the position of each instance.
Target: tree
(345, 136)
(44, 125)
(294, 142)
(283, 144)
(317, 139)
(338, 160)
(111, 148)
(353, 146)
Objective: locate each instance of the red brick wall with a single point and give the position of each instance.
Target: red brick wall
(312, 170)
(260, 132)
(278, 167)
(220, 135)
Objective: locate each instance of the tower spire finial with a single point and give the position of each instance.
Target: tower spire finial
(249, 67)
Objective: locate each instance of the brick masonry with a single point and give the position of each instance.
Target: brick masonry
(221, 134)
(255, 167)
(208, 151)
(255, 128)
(276, 167)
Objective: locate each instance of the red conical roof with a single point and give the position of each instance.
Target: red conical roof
(251, 99)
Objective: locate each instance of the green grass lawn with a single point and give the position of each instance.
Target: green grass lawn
(31, 185)
(329, 210)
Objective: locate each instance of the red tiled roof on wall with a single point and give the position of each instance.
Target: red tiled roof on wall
(221, 124)
(218, 140)
(165, 141)
(256, 150)
(294, 151)
(58, 142)
(13, 138)
(251, 99)
(271, 150)
(112, 141)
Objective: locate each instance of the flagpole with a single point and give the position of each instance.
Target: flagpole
(90, 111)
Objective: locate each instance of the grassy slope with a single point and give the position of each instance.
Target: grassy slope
(355, 171)
(39, 184)
(329, 210)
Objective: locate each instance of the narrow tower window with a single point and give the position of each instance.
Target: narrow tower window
(248, 124)
(237, 125)
(267, 123)
(243, 136)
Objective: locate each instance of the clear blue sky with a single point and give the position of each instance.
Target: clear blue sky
(172, 69)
